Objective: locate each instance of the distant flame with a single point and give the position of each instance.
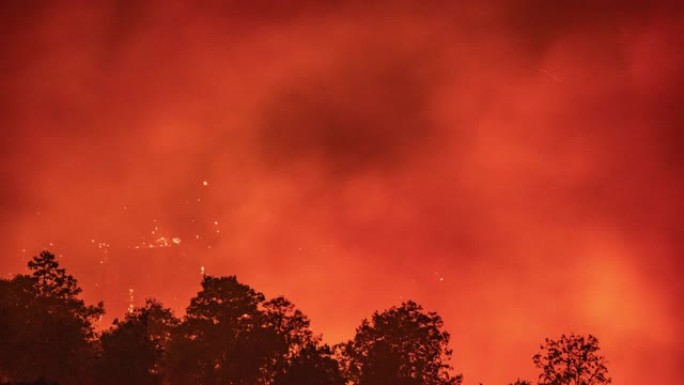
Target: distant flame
(131, 301)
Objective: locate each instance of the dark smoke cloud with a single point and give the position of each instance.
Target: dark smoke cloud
(369, 112)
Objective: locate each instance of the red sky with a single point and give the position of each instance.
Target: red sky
(515, 166)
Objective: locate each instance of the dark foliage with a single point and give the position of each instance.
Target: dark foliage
(133, 349)
(572, 360)
(46, 330)
(312, 366)
(400, 346)
(232, 335)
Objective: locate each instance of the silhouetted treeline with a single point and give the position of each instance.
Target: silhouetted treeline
(232, 335)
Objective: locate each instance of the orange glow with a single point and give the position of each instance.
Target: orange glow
(515, 166)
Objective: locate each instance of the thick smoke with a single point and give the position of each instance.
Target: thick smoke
(514, 165)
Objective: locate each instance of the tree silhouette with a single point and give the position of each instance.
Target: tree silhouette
(231, 335)
(50, 279)
(133, 349)
(289, 333)
(46, 330)
(572, 360)
(312, 365)
(217, 341)
(400, 346)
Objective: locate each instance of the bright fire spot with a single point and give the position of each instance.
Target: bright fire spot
(131, 306)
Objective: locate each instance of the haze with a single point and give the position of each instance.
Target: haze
(515, 166)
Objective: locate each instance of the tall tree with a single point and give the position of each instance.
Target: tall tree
(52, 280)
(133, 349)
(572, 360)
(401, 346)
(47, 330)
(289, 334)
(219, 339)
(232, 335)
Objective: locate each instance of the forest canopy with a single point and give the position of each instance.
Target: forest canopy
(232, 334)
